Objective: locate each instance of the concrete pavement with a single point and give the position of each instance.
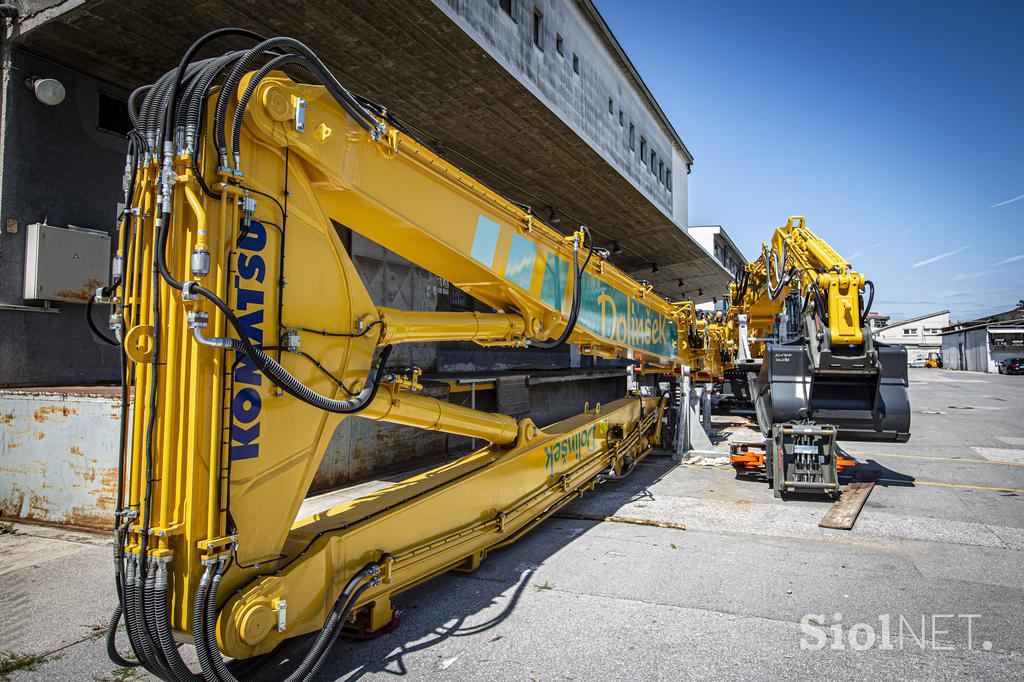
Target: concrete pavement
(929, 583)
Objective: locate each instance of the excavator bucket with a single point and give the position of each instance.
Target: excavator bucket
(868, 403)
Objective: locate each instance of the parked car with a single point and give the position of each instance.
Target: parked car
(1011, 366)
(919, 361)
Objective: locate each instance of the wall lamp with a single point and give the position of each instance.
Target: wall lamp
(48, 91)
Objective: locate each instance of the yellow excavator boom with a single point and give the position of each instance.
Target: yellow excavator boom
(248, 336)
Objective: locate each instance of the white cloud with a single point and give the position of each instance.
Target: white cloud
(1008, 201)
(869, 248)
(1011, 259)
(942, 256)
(975, 275)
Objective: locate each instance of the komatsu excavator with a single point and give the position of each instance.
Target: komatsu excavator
(247, 336)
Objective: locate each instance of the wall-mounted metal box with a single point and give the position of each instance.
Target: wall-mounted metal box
(65, 263)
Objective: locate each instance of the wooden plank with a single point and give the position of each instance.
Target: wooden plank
(619, 519)
(843, 514)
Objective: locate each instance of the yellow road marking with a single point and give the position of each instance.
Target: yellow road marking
(947, 459)
(952, 485)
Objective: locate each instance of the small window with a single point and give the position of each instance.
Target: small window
(506, 7)
(611, 106)
(621, 119)
(538, 27)
(632, 137)
(661, 172)
(559, 45)
(909, 331)
(654, 160)
(643, 150)
(668, 179)
(112, 115)
(575, 64)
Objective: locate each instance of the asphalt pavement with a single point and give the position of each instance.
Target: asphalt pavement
(929, 584)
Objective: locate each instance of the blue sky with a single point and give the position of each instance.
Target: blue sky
(897, 128)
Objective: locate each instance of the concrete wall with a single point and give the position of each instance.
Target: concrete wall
(581, 100)
(59, 168)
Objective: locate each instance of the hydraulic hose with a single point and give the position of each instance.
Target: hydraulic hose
(92, 324)
(871, 299)
(289, 384)
(243, 102)
(577, 296)
(311, 663)
(343, 97)
(187, 58)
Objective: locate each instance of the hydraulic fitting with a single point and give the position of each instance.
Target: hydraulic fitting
(248, 208)
(200, 262)
(197, 319)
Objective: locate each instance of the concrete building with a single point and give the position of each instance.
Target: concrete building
(920, 335)
(878, 321)
(716, 241)
(535, 97)
(979, 345)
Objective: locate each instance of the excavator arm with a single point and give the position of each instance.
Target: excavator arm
(248, 336)
(833, 372)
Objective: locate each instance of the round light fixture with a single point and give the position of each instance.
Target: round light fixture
(48, 91)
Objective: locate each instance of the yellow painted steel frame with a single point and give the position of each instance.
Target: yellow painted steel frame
(220, 459)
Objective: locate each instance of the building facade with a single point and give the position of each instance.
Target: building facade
(534, 97)
(717, 243)
(980, 345)
(919, 335)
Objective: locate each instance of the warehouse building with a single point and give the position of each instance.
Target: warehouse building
(980, 345)
(536, 98)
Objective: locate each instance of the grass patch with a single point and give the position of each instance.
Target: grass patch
(544, 587)
(11, 661)
(7, 529)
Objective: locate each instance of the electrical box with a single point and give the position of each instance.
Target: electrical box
(65, 263)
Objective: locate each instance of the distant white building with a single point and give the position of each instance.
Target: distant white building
(920, 335)
(715, 240)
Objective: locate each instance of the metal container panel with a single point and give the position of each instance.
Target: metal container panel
(58, 455)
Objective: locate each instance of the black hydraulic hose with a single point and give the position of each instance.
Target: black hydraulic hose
(187, 58)
(112, 652)
(871, 299)
(340, 94)
(289, 384)
(606, 477)
(314, 658)
(162, 622)
(243, 102)
(199, 637)
(149, 613)
(577, 295)
(134, 620)
(134, 103)
(92, 324)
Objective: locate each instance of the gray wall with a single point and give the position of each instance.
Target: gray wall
(579, 100)
(57, 166)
